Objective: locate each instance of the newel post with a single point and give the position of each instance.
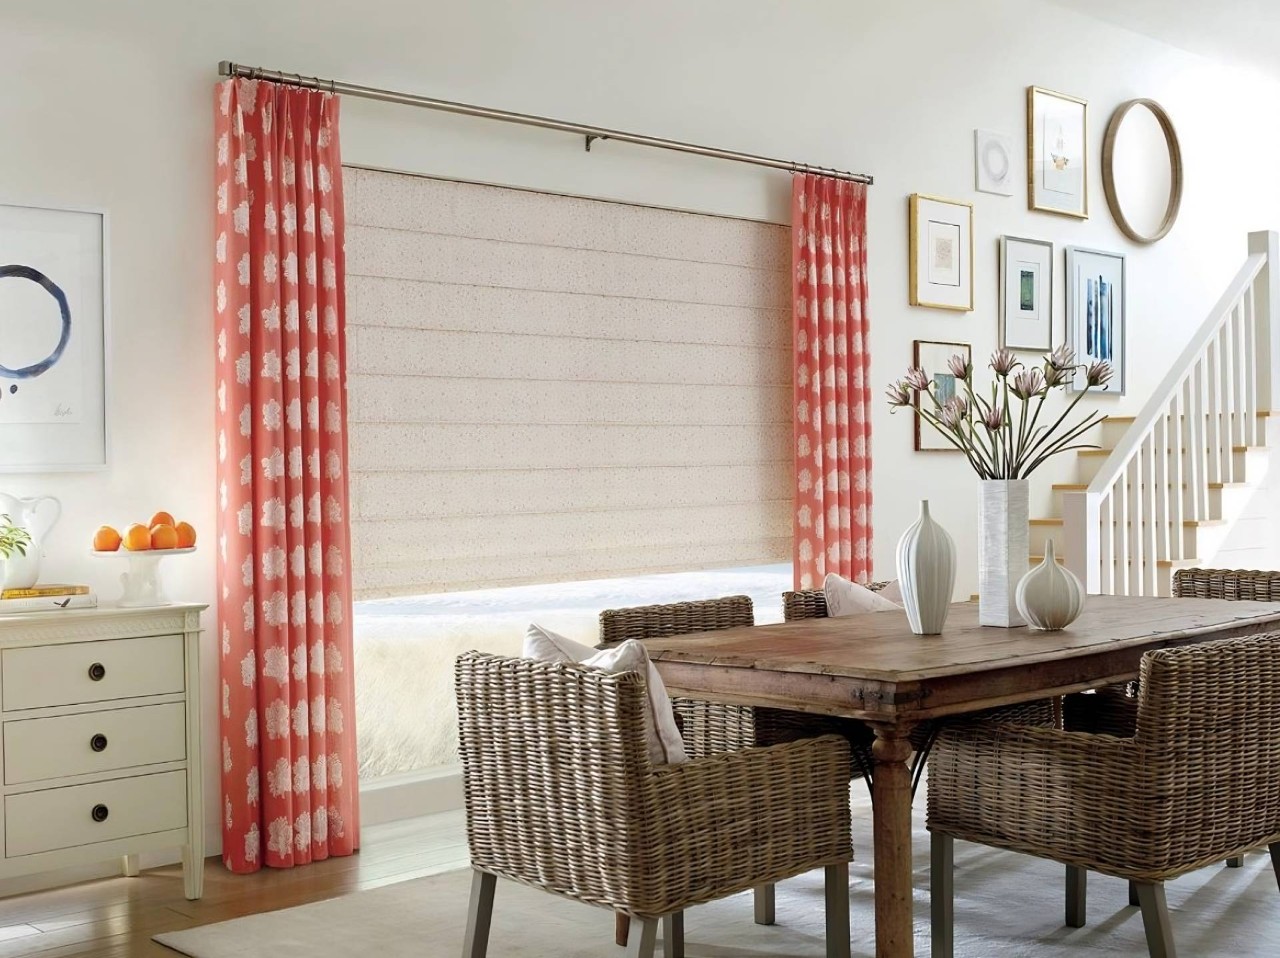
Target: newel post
(1081, 527)
(1266, 309)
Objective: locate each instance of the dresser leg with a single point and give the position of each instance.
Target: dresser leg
(129, 866)
(193, 869)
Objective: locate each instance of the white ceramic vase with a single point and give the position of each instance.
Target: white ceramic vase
(926, 573)
(1002, 549)
(1050, 597)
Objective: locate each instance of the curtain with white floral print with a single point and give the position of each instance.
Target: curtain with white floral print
(832, 521)
(287, 704)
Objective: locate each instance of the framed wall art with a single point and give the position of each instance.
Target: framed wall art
(941, 255)
(1057, 151)
(1026, 293)
(933, 358)
(993, 162)
(1096, 314)
(53, 339)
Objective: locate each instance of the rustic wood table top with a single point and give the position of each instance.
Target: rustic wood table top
(873, 668)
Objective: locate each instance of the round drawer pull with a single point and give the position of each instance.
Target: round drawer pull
(100, 813)
(97, 671)
(98, 743)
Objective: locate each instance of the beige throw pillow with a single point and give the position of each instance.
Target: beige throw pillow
(666, 747)
(848, 598)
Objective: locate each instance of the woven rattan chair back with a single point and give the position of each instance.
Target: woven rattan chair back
(805, 604)
(1237, 584)
(1209, 730)
(706, 727)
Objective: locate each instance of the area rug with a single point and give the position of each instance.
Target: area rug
(1006, 905)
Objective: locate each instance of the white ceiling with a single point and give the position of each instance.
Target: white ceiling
(1243, 31)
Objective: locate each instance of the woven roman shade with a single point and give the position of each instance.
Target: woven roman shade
(545, 388)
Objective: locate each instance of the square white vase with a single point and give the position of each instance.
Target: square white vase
(1003, 553)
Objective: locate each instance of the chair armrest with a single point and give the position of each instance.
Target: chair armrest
(728, 822)
(1070, 796)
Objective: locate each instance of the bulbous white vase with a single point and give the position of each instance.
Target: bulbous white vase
(1050, 597)
(926, 573)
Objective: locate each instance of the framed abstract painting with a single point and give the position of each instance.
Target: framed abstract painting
(941, 253)
(933, 358)
(1026, 293)
(1096, 313)
(1057, 151)
(53, 339)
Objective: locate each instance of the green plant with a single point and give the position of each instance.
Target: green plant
(12, 538)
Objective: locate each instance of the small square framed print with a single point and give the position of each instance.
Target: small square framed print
(933, 359)
(1057, 152)
(941, 256)
(1026, 293)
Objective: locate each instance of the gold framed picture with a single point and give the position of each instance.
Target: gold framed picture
(1057, 153)
(941, 255)
(933, 359)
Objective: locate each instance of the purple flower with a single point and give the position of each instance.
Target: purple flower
(1003, 362)
(1055, 376)
(954, 412)
(960, 367)
(1027, 383)
(1064, 357)
(993, 419)
(1098, 374)
(899, 394)
(917, 378)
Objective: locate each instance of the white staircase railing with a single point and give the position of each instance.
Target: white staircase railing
(1125, 531)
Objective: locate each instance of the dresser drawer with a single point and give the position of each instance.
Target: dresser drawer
(38, 749)
(36, 677)
(66, 817)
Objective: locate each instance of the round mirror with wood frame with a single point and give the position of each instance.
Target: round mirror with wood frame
(1175, 170)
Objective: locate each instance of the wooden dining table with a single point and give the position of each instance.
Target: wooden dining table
(872, 667)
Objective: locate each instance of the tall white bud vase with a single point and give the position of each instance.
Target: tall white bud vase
(1050, 597)
(1002, 549)
(926, 573)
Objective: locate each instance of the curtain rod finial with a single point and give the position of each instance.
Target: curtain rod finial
(226, 68)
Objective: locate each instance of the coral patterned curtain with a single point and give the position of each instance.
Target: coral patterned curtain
(287, 702)
(832, 519)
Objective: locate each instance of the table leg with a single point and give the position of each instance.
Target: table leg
(891, 811)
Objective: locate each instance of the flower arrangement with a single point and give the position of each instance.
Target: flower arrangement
(12, 538)
(1001, 436)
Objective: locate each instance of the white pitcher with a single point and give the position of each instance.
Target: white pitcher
(37, 516)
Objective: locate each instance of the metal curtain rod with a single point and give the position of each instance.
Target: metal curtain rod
(591, 133)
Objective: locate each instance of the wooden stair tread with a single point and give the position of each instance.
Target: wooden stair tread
(1160, 563)
(1107, 452)
(1084, 486)
(1050, 521)
(1261, 415)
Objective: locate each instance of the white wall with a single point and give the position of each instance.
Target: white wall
(109, 105)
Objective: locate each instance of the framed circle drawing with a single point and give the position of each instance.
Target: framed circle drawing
(1110, 144)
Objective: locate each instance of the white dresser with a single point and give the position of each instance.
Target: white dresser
(100, 739)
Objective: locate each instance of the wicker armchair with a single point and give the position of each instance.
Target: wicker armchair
(1238, 584)
(561, 795)
(1196, 782)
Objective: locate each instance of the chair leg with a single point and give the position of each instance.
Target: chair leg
(766, 901)
(1133, 894)
(673, 935)
(1275, 860)
(621, 928)
(1237, 862)
(942, 893)
(1155, 918)
(644, 939)
(837, 894)
(1077, 896)
(479, 914)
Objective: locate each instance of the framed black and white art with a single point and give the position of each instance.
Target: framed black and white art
(53, 339)
(1026, 293)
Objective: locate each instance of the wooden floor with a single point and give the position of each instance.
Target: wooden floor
(116, 917)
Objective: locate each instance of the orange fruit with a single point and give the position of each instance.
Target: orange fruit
(164, 536)
(186, 535)
(160, 519)
(137, 538)
(106, 539)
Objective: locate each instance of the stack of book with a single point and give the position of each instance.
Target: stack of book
(47, 598)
